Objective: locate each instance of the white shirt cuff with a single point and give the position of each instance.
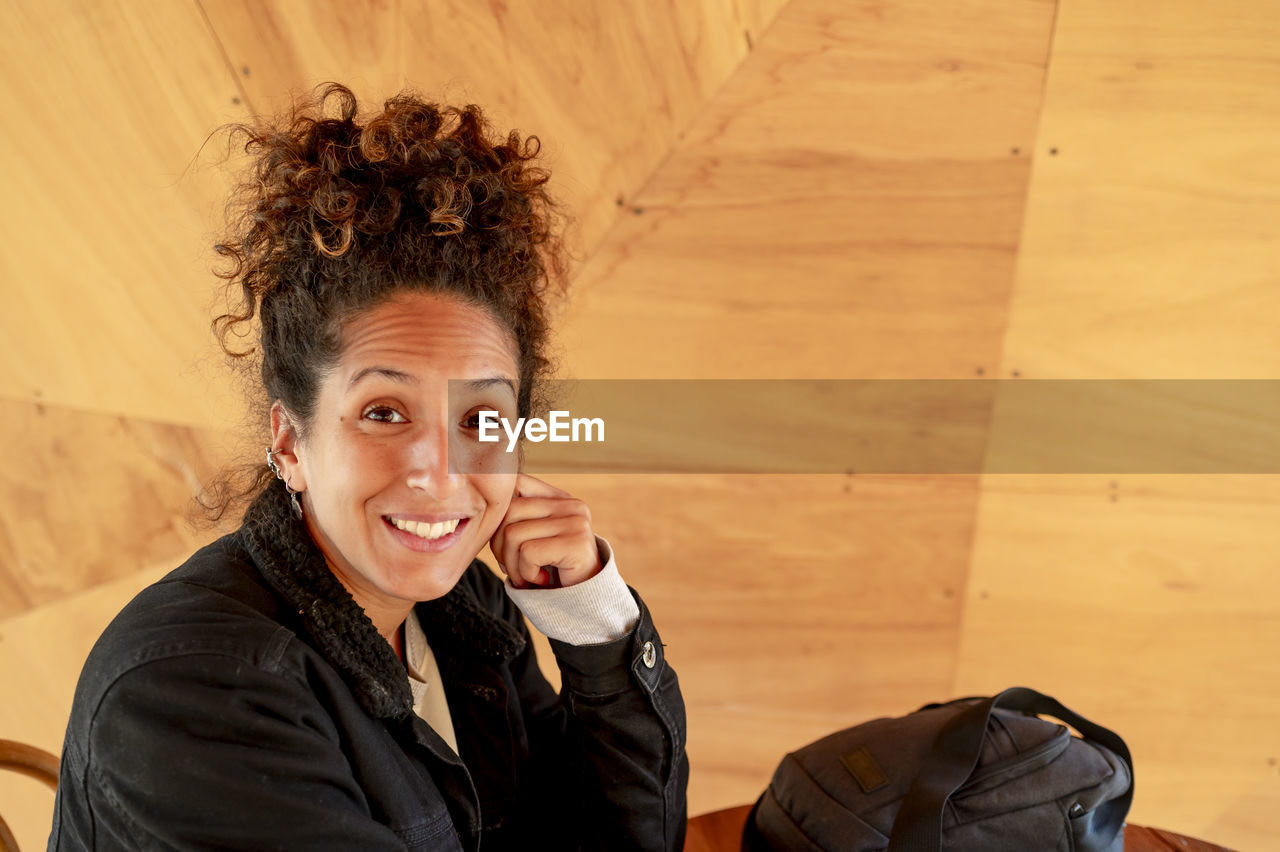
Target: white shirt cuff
(592, 612)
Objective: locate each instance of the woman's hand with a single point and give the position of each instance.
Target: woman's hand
(545, 539)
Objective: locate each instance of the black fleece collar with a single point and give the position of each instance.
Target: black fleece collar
(458, 627)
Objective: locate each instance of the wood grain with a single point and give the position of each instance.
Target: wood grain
(106, 261)
(1145, 252)
(816, 222)
(721, 831)
(121, 204)
(1148, 600)
(31, 761)
(606, 87)
(789, 605)
(86, 498)
(1146, 604)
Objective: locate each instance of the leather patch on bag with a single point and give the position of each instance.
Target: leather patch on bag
(866, 771)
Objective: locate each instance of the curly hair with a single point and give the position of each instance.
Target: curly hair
(335, 217)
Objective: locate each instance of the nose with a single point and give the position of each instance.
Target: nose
(429, 461)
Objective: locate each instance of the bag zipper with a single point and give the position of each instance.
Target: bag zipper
(1042, 754)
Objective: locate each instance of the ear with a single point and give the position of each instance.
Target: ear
(284, 440)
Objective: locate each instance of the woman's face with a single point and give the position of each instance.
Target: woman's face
(393, 522)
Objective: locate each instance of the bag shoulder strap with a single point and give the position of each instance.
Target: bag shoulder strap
(918, 825)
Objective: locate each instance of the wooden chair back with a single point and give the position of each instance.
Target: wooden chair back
(31, 761)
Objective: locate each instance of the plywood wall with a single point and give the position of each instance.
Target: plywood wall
(803, 189)
(1149, 250)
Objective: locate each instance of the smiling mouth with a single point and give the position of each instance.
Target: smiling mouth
(429, 532)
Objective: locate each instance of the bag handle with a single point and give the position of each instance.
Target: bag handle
(918, 826)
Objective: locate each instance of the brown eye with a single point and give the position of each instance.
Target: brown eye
(472, 420)
(384, 414)
(490, 422)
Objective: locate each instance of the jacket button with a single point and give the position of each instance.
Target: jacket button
(650, 655)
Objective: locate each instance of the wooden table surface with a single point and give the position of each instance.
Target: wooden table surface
(721, 831)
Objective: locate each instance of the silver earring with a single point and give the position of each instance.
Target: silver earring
(293, 495)
(293, 499)
(273, 464)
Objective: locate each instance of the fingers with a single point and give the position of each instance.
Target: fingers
(531, 486)
(507, 544)
(532, 508)
(545, 528)
(528, 508)
(566, 543)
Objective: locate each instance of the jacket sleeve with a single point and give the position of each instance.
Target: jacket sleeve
(201, 751)
(609, 752)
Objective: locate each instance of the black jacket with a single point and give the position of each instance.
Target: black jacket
(245, 701)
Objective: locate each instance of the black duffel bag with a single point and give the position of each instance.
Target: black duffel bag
(971, 775)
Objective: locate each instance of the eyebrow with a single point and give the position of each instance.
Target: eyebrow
(405, 378)
(387, 372)
(484, 384)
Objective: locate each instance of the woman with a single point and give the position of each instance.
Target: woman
(341, 672)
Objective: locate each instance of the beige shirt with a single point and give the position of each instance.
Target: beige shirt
(424, 681)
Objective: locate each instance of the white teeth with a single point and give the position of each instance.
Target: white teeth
(425, 530)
